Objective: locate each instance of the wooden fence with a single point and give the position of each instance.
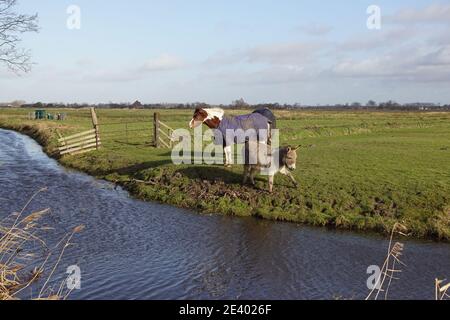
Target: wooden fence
(162, 133)
(90, 140)
(81, 142)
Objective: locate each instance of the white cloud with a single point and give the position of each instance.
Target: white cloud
(386, 37)
(112, 76)
(439, 37)
(159, 64)
(225, 58)
(434, 13)
(440, 57)
(314, 29)
(395, 53)
(369, 67)
(413, 64)
(162, 63)
(282, 54)
(6, 74)
(275, 75)
(84, 62)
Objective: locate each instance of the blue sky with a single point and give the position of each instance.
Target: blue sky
(307, 52)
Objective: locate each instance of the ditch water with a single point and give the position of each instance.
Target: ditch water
(139, 250)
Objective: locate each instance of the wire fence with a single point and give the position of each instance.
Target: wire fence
(128, 132)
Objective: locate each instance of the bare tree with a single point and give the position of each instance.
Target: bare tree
(12, 25)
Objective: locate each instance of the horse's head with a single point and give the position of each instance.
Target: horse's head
(210, 117)
(199, 117)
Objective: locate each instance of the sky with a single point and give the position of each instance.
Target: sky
(307, 52)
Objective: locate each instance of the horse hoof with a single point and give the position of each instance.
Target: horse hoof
(227, 166)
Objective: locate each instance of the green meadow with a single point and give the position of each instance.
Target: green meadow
(365, 171)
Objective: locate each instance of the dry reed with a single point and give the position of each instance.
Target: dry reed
(441, 290)
(24, 255)
(391, 265)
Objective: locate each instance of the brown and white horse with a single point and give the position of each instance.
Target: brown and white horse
(214, 118)
(211, 117)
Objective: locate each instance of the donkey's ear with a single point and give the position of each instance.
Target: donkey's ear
(297, 147)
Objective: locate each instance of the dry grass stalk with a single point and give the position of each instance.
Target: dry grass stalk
(391, 264)
(441, 290)
(18, 234)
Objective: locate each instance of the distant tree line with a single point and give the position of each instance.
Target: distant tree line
(239, 104)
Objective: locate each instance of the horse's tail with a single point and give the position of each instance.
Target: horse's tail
(266, 112)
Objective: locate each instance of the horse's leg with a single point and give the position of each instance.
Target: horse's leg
(253, 172)
(246, 173)
(225, 150)
(271, 178)
(228, 156)
(225, 153)
(269, 133)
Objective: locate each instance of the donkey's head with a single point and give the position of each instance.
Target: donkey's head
(289, 157)
(210, 117)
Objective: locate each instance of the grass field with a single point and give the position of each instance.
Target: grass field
(366, 171)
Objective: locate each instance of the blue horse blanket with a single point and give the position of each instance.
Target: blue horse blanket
(238, 129)
(266, 112)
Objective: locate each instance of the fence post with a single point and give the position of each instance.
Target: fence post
(96, 127)
(156, 129)
(63, 143)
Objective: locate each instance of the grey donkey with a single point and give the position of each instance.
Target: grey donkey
(261, 158)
